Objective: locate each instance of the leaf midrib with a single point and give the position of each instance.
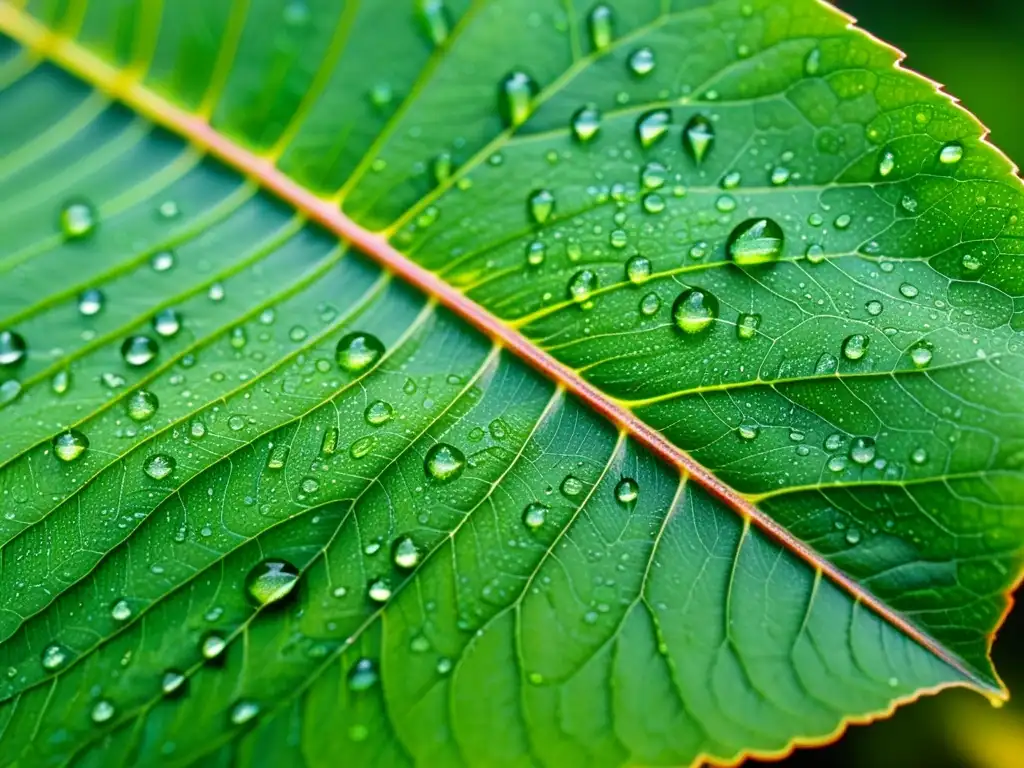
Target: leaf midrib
(194, 128)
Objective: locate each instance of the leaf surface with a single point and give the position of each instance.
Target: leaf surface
(694, 437)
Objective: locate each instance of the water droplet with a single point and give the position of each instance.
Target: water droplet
(213, 645)
(77, 220)
(238, 338)
(572, 486)
(162, 261)
(540, 205)
(434, 17)
(694, 311)
(54, 657)
(356, 352)
(197, 428)
(378, 412)
(652, 126)
(852, 536)
(908, 290)
(886, 164)
(747, 326)
(638, 270)
(444, 666)
(732, 180)
(843, 221)
(309, 485)
(748, 430)
(855, 347)
(921, 354)
(330, 442)
(534, 515)
(516, 94)
(641, 61)
(363, 675)
(102, 711)
(142, 405)
(444, 462)
(812, 64)
(380, 591)
(654, 203)
(172, 682)
(837, 463)
(60, 383)
(159, 465)
(277, 457)
(166, 323)
(121, 610)
(139, 350)
(919, 456)
(627, 490)
(951, 153)
(12, 348)
(405, 554)
(582, 286)
(970, 262)
(833, 442)
(586, 122)
(271, 581)
(698, 137)
(168, 209)
(216, 292)
(826, 364)
(244, 711)
(442, 167)
(862, 450)
(779, 176)
(650, 304)
(874, 308)
(601, 22)
(755, 241)
(90, 302)
(68, 446)
(535, 253)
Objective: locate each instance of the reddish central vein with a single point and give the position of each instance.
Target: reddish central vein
(197, 130)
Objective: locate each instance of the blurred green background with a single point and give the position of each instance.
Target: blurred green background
(975, 48)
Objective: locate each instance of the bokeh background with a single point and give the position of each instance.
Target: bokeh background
(975, 48)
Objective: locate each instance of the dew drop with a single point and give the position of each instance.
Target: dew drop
(886, 164)
(142, 405)
(694, 311)
(54, 657)
(357, 352)
(779, 176)
(641, 61)
(755, 241)
(698, 137)
(515, 98)
(434, 18)
(921, 355)
(172, 682)
(166, 323)
(121, 610)
(638, 270)
(70, 445)
(363, 675)
(812, 64)
(874, 308)
(330, 442)
(862, 450)
(12, 348)
(309, 485)
(77, 219)
(853, 536)
(650, 304)
(855, 347)
(406, 554)
(970, 262)
(919, 456)
(90, 302)
(747, 326)
(159, 465)
(277, 457)
(571, 486)
(586, 122)
(627, 490)
(379, 591)
(652, 126)
(951, 153)
(534, 515)
(139, 350)
(271, 581)
(540, 205)
(748, 430)
(600, 22)
(162, 261)
(582, 286)
(102, 711)
(244, 711)
(908, 290)
(213, 645)
(444, 463)
(378, 412)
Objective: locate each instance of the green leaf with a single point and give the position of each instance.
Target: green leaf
(490, 383)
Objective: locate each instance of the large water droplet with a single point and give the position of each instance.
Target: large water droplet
(12, 348)
(600, 22)
(540, 205)
(862, 450)
(698, 137)
(77, 219)
(641, 61)
(694, 311)
(358, 351)
(142, 405)
(756, 241)
(69, 445)
(638, 270)
(627, 490)
(271, 581)
(139, 350)
(951, 153)
(444, 462)
(534, 515)
(406, 554)
(378, 412)
(586, 122)
(434, 17)
(159, 465)
(515, 98)
(855, 347)
(652, 126)
(363, 675)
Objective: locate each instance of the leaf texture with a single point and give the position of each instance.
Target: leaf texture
(722, 507)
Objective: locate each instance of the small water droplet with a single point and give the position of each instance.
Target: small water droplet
(747, 326)
(142, 405)
(638, 270)
(694, 311)
(162, 261)
(357, 352)
(379, 591)
(853, 536)
(213, 645)
(843, 221)
(886, 164)
(748, 430)
(874, 308)
(444, 463)
(139, 350)
(363, 675)
(166, 323)
(197, 428)
(540, 205)
(516, 94)
(601, 21)
(121, 610)
(77, 219)
(919, 456)
(271, 581)
(244, 711)
(627, 490)
(90, 302)
(586, 122)
(908, 290)
(779, 176)
(572, 486)
(862, 450)
(812, 64)
(216, 292)
(855, 346)
(70, 445)
(641, 61)
(582, 286)
(755, 241)
(534, 515)
(172, 682)
(698, 137)
(652, 126)
(12, 348)
(378, 412)
(921, 354)
(61, 382)
(406, 554)
(951, 153)
(159, 465)
(54, 657)
(650, 304)
(434, 18)
(102, 711)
